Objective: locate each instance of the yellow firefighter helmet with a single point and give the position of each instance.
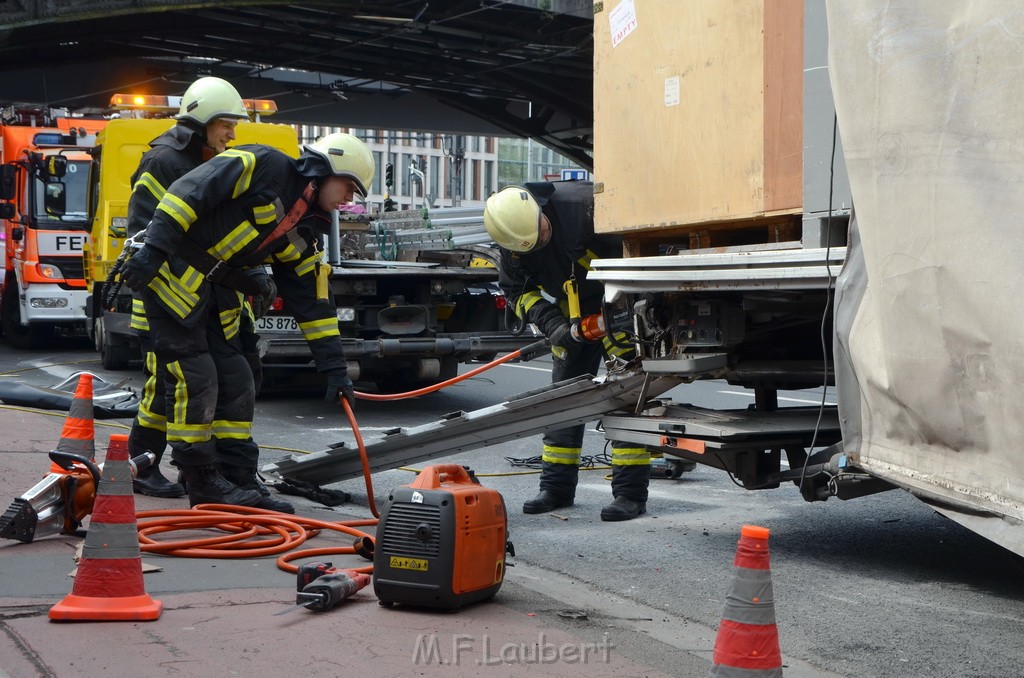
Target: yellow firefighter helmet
(512, 218)
(210, 98)
(346, 156)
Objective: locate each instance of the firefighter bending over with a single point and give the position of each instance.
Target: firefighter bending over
(546, 234)
(204, 250)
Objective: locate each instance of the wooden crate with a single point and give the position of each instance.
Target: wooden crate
(697, 114)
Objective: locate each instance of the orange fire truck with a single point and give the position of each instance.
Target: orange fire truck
(44, 185)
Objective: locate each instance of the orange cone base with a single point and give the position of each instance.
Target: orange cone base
(90, 608)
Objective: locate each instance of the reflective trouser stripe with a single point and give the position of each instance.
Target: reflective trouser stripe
(630, 456)
(562, 455)
(178, 428)
(238, 430)
(152, 397)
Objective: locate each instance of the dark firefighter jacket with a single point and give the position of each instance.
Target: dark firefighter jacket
(173, 154)
(524, 276)
(228, 206)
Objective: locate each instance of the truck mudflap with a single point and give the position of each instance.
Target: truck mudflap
(461, 345)
(567, 403)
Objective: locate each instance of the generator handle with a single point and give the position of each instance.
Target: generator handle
(430, 477)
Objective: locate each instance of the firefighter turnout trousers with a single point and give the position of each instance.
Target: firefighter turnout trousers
(563, 447)
(209, 388)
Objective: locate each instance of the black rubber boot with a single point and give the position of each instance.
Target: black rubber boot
(546, 501)
(205, 485)
(246, 479)
(153, 483)
(557, 488)
(623, 508)
(629, 487)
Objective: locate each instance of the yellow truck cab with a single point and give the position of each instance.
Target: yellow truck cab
(116, 156)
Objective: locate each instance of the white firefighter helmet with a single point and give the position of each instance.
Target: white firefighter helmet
(346, 156)
(210, 98)
(512, 218)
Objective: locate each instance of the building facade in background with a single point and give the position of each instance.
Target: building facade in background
(442, 170)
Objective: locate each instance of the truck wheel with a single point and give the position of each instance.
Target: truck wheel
(17, 335)
(114, 357)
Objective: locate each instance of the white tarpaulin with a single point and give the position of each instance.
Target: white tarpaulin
(930, 307)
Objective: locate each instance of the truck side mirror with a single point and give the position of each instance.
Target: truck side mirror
(55, 198)
(8, 181)
(6, 210)
(17, 233)
(57, 166)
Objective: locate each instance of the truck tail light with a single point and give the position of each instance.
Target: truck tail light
(277, 305)
(500, 302)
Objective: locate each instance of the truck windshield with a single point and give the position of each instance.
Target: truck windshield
(76, 187)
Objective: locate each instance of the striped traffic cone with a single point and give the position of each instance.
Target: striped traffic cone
(748, 639)
(78, 436)
(108, 586)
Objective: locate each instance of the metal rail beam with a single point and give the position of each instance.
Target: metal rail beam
(566, 403)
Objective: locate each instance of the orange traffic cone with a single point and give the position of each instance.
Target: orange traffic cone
(79, 431)
(108, 586)
(748, 639)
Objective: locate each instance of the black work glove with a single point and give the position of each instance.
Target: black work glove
(338, 386)
(561, 340)
(262, 301)
(142, 266)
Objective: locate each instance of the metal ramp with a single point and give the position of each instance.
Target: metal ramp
(566, 403)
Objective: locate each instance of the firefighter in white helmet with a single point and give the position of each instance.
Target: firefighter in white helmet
(205, 248)
(546, 234)
(209, 111)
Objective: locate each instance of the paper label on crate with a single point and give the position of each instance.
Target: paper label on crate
(622, 20)
(672, 91)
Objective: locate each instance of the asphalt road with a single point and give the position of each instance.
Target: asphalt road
(877, 586)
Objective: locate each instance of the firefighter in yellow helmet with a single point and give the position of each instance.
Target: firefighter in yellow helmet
(546, 235)
(205, 248)
(210, 110)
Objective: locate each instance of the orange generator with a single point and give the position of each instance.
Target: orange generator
(441, 541)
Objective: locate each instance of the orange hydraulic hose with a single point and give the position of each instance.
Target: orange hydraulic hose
(246, 532)
(537, 345)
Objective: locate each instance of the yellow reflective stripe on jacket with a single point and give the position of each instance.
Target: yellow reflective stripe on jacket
(561, 455)
(265, 214)
(289, 253)
(230, 321)
(630, 456)
(190, 280)
(177, 209)
(177, 296)
(526, 302)
(149, 182)
(139, 319)
(248, 165)
(308, 265)
(318, 329)
(234, 241)
(617, 351)
(235, 430)
(585, 260)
